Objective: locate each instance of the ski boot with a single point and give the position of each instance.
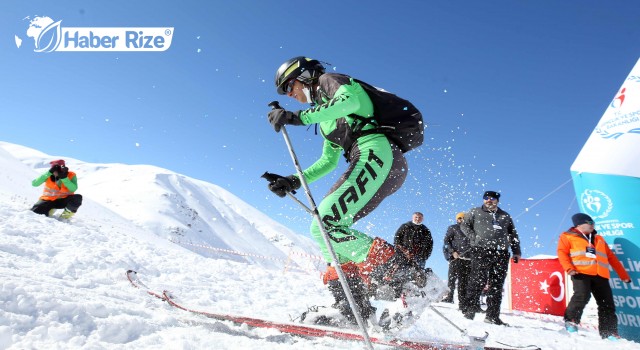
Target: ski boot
(401, 289)
(340, 313)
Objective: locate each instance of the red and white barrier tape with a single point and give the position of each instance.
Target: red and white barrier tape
(284, 261)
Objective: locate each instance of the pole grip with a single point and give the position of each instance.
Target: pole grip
(275, 105)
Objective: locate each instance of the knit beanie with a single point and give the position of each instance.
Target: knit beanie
(580, 218)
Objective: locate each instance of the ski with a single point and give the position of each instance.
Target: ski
(303, 330)
(309, 331)
(132, 276)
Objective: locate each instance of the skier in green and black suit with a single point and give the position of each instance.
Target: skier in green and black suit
(377, 169)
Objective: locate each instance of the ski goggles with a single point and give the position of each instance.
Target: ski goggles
(288, 86)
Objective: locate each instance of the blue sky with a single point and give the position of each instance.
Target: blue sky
(510, 91)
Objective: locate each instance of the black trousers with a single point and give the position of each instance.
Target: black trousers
(583, 287)
(459, 270)
(487, 267)
(72, 203)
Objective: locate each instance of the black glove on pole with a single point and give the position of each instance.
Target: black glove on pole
(281, 185)
(273, 177)
(278, 117)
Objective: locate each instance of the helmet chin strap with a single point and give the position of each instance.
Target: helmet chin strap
(307, 93)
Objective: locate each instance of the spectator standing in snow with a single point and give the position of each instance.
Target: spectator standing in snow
(491, 232)
(586, 257)
(456, 247)
(59, 187)
(414, 240)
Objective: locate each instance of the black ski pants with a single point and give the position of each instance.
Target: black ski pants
(583, 287)
(459, 270)
(488, 266)
(72, 203)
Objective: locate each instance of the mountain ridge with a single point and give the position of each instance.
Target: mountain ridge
(173, 206)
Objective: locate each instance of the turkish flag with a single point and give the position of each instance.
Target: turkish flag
(538, 285)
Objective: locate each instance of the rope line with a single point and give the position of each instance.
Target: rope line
(543, 198)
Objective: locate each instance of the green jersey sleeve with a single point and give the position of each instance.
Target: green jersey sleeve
(348, 99)
(327, 162)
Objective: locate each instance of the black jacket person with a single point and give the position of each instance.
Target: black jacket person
(456, 248)
(414, 240)
(491, 233)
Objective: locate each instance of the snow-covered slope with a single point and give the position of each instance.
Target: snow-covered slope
(191, 212)
(63, 286)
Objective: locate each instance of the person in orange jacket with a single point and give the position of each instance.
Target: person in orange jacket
(59, 187)
(586, 257)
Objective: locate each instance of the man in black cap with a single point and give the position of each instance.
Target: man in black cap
(491, 232)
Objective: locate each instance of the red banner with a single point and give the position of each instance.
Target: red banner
(538, 285)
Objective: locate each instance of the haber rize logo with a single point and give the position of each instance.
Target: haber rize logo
(45, 32)
(49, 35)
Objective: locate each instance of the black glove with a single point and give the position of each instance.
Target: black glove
(63, 172)
(283, 185)
(280, 117)
(516, 258)
(54, 169)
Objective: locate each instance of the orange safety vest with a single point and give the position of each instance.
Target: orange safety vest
(52, 191)
(572, 253)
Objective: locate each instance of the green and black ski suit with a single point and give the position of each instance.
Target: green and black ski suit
(377, 167)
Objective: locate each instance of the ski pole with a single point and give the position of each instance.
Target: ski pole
(463, 331)
(476, 342)
(314, 210)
